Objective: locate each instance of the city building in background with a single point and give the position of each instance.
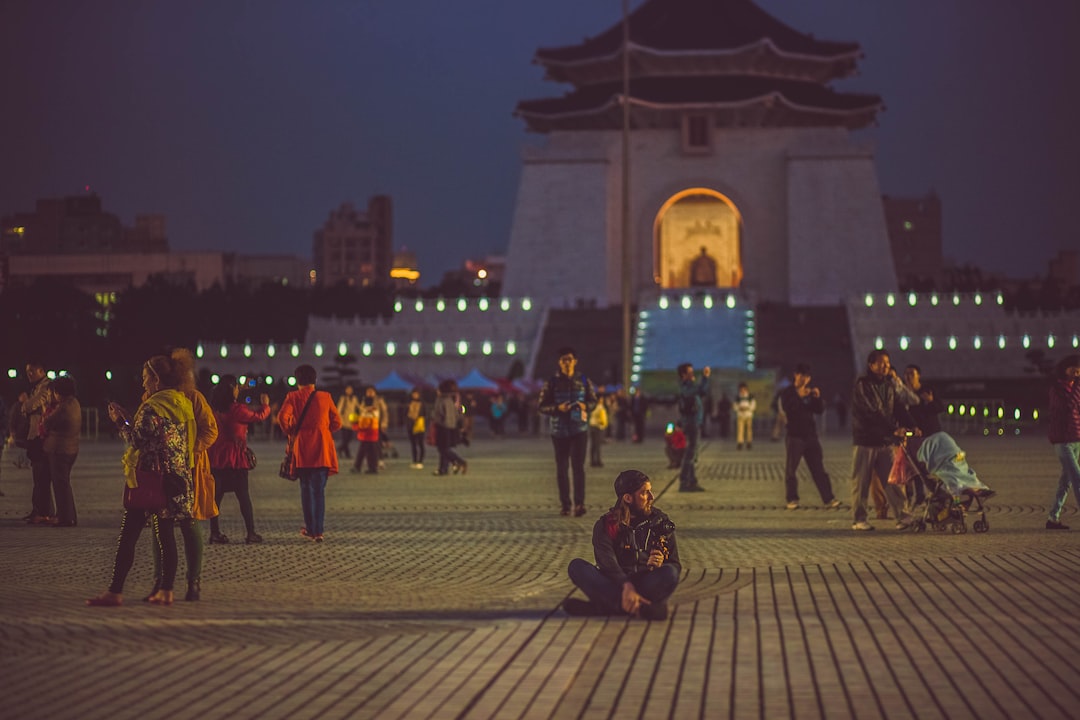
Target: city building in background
(355, 248)
(108, 273)
(77, 225)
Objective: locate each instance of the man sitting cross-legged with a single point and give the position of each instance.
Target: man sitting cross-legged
(637, 559)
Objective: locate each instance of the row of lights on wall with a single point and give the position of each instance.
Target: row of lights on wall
(214, 378)
(414, 348)
(934, 299)
(462, 304)
(686, 302)
(977, 342)
(998, 413)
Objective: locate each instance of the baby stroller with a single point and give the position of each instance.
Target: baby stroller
(954, 491)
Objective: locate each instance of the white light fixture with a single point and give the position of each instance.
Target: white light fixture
(365, 349)
(419, 306)
(294, 350)
(437, 347)
(486, 347)
(318, 349)
(391, 348)
(482, 304)
(869, 300)
(526, 304)
(414, 348)
(462, 305)
(343, 349)
(686, 302)
(224, 350)
(271, 351)
(511, 347)
(663, 302)
(462, 347)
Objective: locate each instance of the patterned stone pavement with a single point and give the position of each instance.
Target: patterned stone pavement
(438, 597)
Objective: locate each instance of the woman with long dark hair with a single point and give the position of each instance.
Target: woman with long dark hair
(229, 460)
(1063, 430)
(160, 439)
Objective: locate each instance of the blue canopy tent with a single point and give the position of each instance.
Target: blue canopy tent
(394, 383)
(478, 382)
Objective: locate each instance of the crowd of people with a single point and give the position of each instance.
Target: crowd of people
(184, 454)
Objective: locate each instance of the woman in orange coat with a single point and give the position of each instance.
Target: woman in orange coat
(313, 448)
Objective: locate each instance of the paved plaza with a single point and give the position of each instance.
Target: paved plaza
(438, 597)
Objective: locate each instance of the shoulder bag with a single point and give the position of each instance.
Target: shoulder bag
(288, 465)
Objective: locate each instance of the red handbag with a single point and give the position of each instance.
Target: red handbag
(148, 495)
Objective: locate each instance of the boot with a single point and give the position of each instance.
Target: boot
(192, 590)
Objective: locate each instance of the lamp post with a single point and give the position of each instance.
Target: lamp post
(627, 256)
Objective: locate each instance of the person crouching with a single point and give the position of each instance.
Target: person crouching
(637, 559)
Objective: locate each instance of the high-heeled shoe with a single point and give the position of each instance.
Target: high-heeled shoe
(153, 592)
(193, 589)
(106, 599)
(162, 597)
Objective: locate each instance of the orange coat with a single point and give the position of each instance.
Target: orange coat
(206, 433)
(315, 441)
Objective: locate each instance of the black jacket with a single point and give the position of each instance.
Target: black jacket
(878, 409)
(800, 412)
(621, 550)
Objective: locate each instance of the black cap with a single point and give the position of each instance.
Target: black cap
(629, 481)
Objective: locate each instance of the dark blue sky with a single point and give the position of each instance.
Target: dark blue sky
(246, 122)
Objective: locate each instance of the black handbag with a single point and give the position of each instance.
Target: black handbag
(249, 458)
(288, 469)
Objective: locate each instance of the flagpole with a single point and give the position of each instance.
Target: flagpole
(627, 253)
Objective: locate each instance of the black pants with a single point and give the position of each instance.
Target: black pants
(416, 442)
(234, 480)
(131, 527)
(444, 439)
(570, 456)
(369, 450)
(42, 497)
(596, 441)
(60, 465)
(809, 449)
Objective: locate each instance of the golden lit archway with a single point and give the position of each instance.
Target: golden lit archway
(697, 241)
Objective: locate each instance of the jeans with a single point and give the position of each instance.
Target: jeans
(809, 449)
(688, 470)
(865, 463)
(313, 498)
(653, 585)
(1069, 456)
(570, 456)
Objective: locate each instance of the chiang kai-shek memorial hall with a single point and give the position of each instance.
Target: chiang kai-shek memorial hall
(743, 170)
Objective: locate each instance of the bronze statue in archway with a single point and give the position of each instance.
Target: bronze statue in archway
(697, 240)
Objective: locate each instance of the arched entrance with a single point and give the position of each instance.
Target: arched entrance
(697, 241)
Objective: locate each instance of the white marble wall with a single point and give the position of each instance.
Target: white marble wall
(808, 198)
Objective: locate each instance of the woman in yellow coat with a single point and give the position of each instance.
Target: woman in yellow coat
(204, 507)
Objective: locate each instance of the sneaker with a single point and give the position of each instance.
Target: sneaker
(832, 504)
(303, 532)
(1055, 525)
(862, 525)
(654, 611)
(905, 522)
(579, 510)
(565, 512)
(318, 538)
(793, 505)
(576, 607)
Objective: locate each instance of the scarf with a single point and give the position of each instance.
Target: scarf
(171, 405)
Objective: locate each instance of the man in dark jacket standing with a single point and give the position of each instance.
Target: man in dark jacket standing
(692, 416)
(800, 404)
(637, 559)
(877, 402)
(567, 398)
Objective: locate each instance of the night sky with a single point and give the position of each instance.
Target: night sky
(247, 122)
